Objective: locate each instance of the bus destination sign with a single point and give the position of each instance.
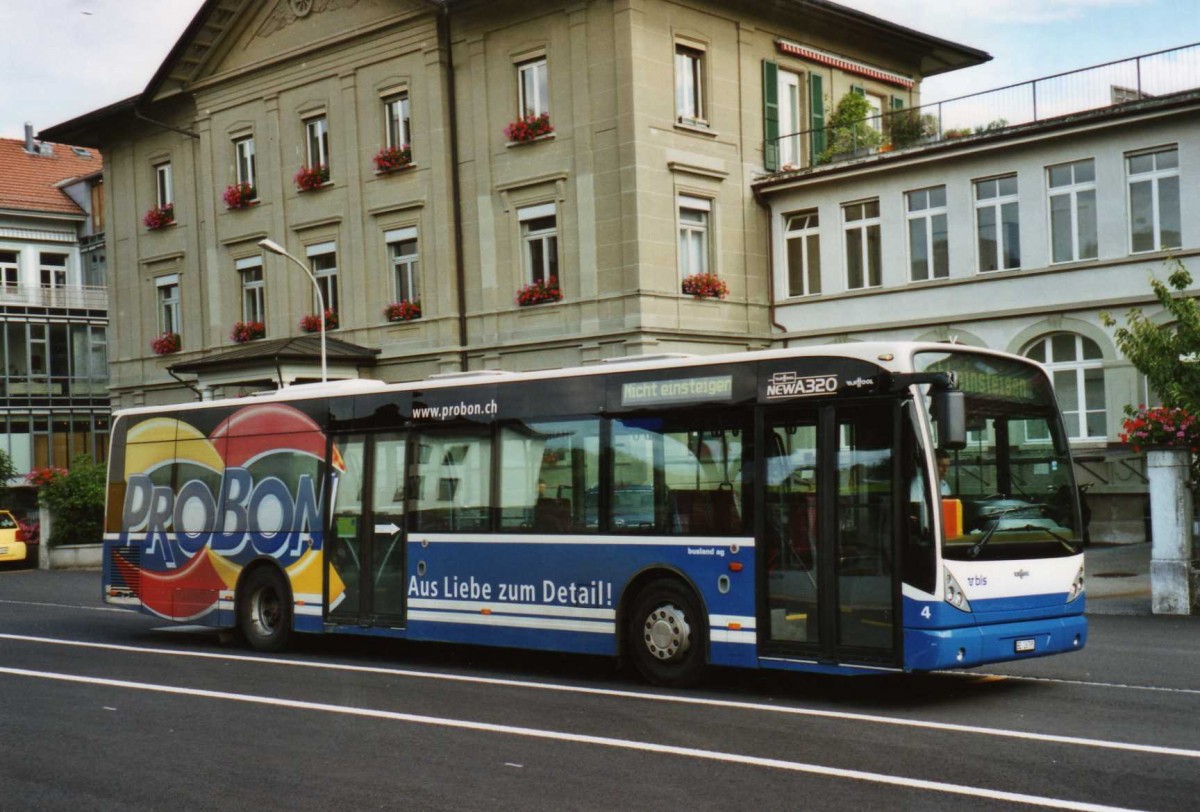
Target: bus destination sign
(654, 393)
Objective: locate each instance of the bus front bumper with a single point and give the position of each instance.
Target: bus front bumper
(932, 649)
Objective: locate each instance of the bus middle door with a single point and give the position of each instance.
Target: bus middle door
(365, 559)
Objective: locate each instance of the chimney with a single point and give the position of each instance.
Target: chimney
(29, 147)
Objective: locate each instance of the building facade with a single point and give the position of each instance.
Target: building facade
(1018, 238)
(54, 403)
(472, 184)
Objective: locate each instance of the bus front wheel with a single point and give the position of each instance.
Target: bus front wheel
(265, 610)
(666, 634)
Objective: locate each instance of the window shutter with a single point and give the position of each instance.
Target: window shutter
(897, 103)
(816, 116)
(858, 90)
(770, 115)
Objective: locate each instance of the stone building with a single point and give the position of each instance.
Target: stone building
(539, 178)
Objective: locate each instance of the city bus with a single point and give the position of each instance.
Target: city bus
(850, 509)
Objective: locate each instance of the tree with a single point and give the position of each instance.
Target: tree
(76, 501)
(849, 128)
(8, 472)
(1169, 356)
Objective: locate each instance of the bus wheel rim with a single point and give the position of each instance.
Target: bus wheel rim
(266, 611)
(666, 633)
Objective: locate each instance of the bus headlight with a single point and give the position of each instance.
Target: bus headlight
(1076, 586)
(954, 593)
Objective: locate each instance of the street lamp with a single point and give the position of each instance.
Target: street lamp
(276, 248)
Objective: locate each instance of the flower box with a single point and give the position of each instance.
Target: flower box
(403, 310)
(159, 217)
(391, 159)
(1160, 427)
(529, 128)
(166, 344)
(313, 323)
(244, 331)
(539, 292)
(239, 196)
(705, 286)
(312, 177)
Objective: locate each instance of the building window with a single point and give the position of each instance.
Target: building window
(243, 150)
(316, 132)
(164, 194)
(533, 88)
(790, 116)
(539, 242)
(406, 264)
(395, 114)
(1073, 211)
(863, 260)
(694, 231)
(803, 253)
(1154, 200)
(875, 119)
(928, 255)
(10, 271)
(168, 303)
(254, 308)
(323, 258)
(1076, 367)
(689, 85)
(997, 224)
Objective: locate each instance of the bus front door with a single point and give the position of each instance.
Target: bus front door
(829, 496)
(366, 538)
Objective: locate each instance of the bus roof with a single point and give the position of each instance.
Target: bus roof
(894, 356)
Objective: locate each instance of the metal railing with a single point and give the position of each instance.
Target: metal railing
(1148, 76)
(83, 297)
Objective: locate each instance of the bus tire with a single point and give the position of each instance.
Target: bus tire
(667, 634)
(265, 610)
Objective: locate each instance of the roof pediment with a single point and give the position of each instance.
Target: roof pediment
(231, 36)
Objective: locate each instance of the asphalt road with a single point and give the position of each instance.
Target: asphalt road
(102, 709)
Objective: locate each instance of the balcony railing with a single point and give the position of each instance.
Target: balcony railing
(85, 297)
(1129, 80)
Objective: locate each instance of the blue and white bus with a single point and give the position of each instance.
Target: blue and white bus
(843, 509)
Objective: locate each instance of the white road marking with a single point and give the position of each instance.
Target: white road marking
(576, 738)
(68, 606)
(635, 695)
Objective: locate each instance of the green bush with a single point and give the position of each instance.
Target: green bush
(76, 503)
(849, 128)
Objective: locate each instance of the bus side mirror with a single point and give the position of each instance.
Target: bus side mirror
(950, 411)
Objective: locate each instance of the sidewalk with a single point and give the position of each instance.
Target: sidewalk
(1117, 578)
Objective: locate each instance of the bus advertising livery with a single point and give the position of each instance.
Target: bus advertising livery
(855, 509)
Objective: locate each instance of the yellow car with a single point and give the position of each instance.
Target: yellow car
(10, 548)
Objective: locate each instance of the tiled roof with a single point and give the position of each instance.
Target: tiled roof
(27, 182)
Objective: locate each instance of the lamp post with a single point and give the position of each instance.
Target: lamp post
(276, 248)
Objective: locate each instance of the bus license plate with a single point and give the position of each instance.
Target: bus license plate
(1026, 645)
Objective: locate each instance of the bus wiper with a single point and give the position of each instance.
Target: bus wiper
(1059, 537)
(991, 531)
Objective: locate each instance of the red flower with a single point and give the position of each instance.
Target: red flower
(529, 128)
(312, 177)
(538, 292)
(239, 195)
(403, 310)
(166, 344)
(244, 331)
(705, 286)
(313, 323)
(390, 159)
(159, 216)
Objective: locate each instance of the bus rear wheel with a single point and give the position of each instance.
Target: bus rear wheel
(265, 610)
(666, 635)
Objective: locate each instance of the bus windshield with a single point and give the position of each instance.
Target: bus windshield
(1010, 493)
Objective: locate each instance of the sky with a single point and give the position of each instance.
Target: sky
(64, 58)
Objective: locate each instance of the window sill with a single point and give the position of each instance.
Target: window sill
(249, 204)
(696, 128)
(163, 227)
(398, 170)
(306, 189)
(546, 137)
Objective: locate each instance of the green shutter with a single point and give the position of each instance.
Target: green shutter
(770, 75)
(859, 89)
(816, 116)
(897, 103)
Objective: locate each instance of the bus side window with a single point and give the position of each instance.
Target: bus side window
(550, 476)
(452, 485)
